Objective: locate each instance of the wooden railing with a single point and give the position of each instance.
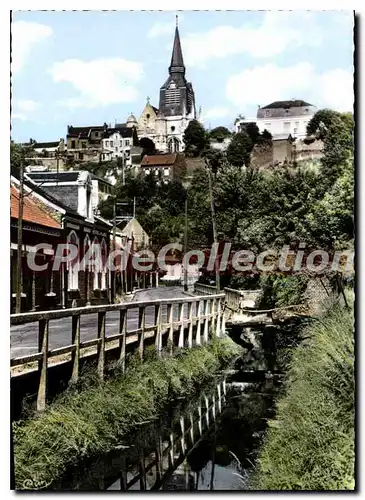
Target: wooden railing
(240, 299)
(204, 289)
(204, 317)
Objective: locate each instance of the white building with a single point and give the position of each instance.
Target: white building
(282, 118)
(166, 124)
(117, 143)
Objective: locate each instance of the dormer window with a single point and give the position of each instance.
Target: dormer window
(267, 112)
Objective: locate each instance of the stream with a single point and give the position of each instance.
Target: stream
(208, 443)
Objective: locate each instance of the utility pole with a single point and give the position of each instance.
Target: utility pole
(123, 168)
(114, 248)
(215, 238)
(186, 242)
(19, 274)
(134, 207)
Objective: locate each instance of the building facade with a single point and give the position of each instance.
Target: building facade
(166, 167)
(166, 124)
(282, 118)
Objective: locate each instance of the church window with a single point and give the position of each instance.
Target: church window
(148, 116)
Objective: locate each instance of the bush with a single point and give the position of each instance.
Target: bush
(310, 446)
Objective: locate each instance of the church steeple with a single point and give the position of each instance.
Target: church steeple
(177, 62)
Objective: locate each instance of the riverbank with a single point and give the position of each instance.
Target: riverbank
(94, 417)
(310, 444)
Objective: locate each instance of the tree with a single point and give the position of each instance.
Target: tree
(219, 134)
(321, 122)
(195, 139)
(148, 146)
(239, 150)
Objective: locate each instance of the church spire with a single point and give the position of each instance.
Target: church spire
(177, 62)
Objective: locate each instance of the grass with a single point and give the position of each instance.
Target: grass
(93, 418)
(310, 446)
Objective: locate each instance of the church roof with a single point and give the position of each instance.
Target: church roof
(177, 62)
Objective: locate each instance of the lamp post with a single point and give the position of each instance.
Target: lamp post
(18, 300)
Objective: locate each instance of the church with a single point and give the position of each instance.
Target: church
(166, 124)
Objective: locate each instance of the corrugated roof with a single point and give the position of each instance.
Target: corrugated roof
(32, 212)
(168, 159)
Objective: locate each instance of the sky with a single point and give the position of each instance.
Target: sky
(90, 67)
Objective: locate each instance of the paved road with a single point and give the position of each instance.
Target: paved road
(24, 338)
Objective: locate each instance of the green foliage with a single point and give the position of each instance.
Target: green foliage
(239, 149)
(95, 418)
(280, 290)
(219, 134)
(195, 139)
(147, 145)
(311, 444)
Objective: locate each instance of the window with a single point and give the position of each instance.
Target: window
(127, 142)
(116, 149)
(107, 144)
(287, 127)
(81, 156)
(83, 145)
(148, 116)
(267, 112)
(96, 134)
(111, 143)
(73, 266)
(173, 129)
(166, 171)
(73, 144)
(156, 171)
(147, 171)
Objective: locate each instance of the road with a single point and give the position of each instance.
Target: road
(24, 338)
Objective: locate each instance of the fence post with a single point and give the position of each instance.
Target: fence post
(190, 315)
(158, 341)
(218, 323)
(123, 340)
(212, 320)
(141, 325)
(181, 319)
(198, 326)
(101, 344)
(76, 353)
(42, 364)
(206, 320)
(170, 321)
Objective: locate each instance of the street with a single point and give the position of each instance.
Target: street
(24, 338)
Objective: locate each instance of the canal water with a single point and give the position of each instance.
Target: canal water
(209, 443)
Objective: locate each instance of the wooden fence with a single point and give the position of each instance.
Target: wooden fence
(204, 316)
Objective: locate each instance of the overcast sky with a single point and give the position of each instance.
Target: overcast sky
(87, 68)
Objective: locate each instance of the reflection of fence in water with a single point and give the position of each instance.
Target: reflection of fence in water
(155, 469)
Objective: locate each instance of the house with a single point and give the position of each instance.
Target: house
(167, 167)
(133, 231)
(41, 222)
(282, 118)
(72, 201)
(100, 142)
(117, 142)
(48, 155)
